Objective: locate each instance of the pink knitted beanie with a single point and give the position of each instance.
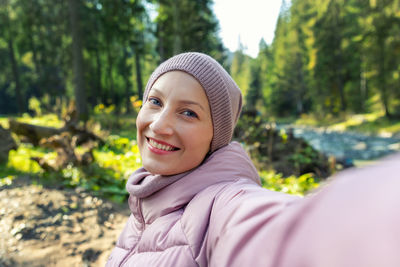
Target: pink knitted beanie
(223, 94)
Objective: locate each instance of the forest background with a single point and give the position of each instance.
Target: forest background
(72, 75)
(329, 60)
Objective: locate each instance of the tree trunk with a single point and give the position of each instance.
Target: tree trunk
(99, 89)
(33, 48)
(127, 75)
(177, 35)
(14, 64)
(301, 89)
(77, 59)
(15, 72)
(161, 48)
(363, 91)
(338, 69)
(109, 74)
(382, 74)
(138, 75)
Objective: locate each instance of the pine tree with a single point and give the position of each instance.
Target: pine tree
(186, 25)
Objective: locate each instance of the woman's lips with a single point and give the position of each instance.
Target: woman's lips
(160, 147)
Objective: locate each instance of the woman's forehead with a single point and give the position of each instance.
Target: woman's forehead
(179, 84)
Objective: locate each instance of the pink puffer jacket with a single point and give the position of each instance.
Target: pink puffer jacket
(218, 215)
(202, 219)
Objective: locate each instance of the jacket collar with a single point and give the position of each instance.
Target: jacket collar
(154, 195)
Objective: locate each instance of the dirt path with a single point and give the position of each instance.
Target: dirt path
(53, 227)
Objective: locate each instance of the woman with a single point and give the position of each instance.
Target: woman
(198, 200)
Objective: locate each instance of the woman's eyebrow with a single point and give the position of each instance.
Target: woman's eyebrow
(156, 90)
(190, 102)
(184, 101)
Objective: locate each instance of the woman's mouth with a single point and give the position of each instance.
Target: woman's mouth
(160, 145)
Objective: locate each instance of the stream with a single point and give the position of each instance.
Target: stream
(350, 145)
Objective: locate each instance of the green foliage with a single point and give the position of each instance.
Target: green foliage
(41, 106)
(49, 120)
(4, 122)
(333, 57)
(304, 156)
(176, 33)
(116, 34)
(34, 105)
(119, 154)
(240, 70)
(291, 185)
(8, 174)
(6, 180)
(327, 57)
(20, 159)
(272, 149)
(104, 115)
(106, 176)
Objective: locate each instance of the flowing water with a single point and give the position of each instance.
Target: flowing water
(349, 145)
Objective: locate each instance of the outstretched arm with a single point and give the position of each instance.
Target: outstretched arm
(352, 221)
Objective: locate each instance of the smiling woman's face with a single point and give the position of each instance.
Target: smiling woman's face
(174, 126)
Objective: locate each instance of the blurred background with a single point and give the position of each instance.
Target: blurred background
(320, 80)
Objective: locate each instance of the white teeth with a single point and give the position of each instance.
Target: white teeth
(160, 146)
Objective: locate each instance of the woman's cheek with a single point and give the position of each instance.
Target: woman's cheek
(140, 125)
(142, 119)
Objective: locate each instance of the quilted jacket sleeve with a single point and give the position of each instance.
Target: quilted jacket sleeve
(240, 212)
(352, 221)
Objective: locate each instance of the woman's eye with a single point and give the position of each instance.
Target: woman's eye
(154, 101)
(190, 113)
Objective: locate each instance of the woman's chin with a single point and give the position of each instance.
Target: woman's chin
(164, 171)
(160, 170)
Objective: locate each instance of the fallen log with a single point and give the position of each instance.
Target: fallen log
(66, 153)
(63, 140)
(33, 133)
(7, 143)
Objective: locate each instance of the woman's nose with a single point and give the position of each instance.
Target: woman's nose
(162, 124)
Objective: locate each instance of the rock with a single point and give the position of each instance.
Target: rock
(90, 255)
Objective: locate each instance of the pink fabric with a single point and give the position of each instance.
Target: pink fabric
(218, 215)
(355, 221)
(351, 221)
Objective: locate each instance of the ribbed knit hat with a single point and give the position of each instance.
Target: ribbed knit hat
(223, 94)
